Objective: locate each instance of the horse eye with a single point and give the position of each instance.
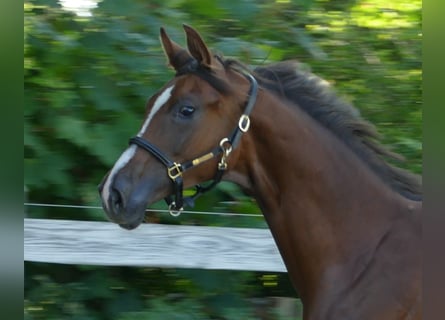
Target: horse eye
(186, 110)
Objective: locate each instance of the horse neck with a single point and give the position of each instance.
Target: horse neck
(322, 204)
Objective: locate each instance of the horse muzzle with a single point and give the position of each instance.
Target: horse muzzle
(124, 203)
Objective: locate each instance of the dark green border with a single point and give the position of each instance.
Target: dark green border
(11, 168)
(434, 157)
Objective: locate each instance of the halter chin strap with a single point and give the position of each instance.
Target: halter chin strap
(225, 147)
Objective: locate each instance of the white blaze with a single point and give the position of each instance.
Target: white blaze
(120, 163)
(128, 154)
(160, 101)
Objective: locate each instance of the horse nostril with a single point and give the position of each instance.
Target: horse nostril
(117, 200)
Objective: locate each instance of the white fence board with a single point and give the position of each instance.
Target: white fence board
(151, 245)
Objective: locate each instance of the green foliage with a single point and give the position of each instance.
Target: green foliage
(86, 82)
(160, 309)
(82, 292)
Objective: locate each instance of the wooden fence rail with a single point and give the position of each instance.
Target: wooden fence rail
(151, 245)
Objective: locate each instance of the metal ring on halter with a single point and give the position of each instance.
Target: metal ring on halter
(226, 150)
(244, 123)
(174, 212)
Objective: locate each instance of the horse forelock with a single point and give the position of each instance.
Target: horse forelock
(207, 74)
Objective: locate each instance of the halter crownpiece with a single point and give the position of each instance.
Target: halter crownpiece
(225, 147)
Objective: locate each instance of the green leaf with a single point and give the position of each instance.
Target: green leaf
(72, 129)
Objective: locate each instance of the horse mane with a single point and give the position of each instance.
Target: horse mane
(312, 94)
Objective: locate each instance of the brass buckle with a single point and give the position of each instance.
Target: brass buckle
(244, 123)
(174, 171)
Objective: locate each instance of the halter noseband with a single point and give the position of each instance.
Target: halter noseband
(225, 147)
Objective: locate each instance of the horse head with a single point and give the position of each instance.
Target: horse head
(190, 128)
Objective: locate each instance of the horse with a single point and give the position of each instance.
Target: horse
(347, 223)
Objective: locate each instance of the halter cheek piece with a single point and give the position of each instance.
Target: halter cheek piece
(225, 147)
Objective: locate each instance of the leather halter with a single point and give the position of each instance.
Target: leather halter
(225, 147)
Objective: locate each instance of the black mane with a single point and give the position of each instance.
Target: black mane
(313, 95)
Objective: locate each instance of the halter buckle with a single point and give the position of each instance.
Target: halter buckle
(174, 171)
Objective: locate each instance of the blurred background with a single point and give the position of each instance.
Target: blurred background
(90, 67)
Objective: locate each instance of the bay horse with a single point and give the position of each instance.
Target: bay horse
(346, 222)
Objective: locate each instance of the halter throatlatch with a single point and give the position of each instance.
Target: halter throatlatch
(175, 170)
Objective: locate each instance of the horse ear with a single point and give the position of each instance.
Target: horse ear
(197, 46)
(176, 55)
